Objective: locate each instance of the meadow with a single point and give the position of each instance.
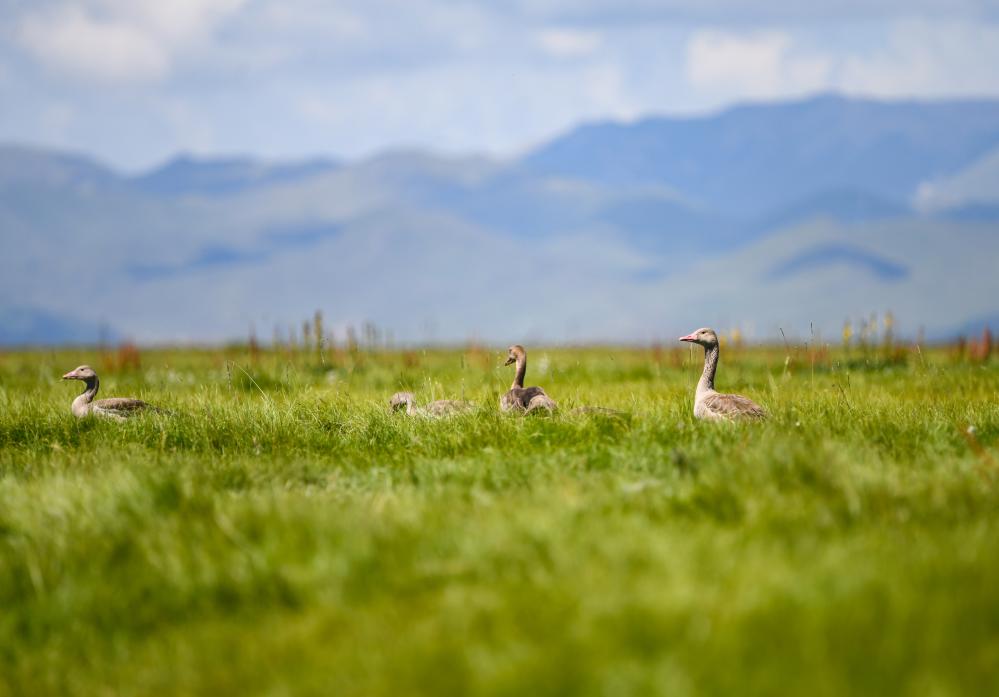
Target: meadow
(282, 533)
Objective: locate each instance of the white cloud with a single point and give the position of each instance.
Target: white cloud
(758, 65)
(339, 23)
(176, 20)
(360, 75)
(70, 41)
(460, 108)
(118, 40)
(568, 43)
(592, 12)
(321, 110)
(605, 92)
(912, 58)
(56, 119)
(922, 58)
(187, 125)
(976, 184)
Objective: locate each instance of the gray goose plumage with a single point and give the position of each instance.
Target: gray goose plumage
(710, 404)
(519, 398)
(597, 411)
(115, 408)
(406, 401)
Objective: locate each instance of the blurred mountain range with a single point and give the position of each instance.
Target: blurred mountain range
(793, 215)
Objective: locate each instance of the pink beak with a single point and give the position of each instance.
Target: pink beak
(70, 375)
(689, 337)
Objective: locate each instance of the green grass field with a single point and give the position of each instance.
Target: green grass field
(282, 533)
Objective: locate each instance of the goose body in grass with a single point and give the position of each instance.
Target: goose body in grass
(589, 410)
(519, 398)
(114, 408)
(709, 404)
(406, 402)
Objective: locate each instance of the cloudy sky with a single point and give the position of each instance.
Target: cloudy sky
(135, 81)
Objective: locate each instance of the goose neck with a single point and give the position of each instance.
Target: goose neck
(81, 405)
(707, 381)
(518, 378)
(93, 384)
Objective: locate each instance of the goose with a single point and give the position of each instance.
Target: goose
(708, 403)
(401, 401)
(540, 401)
(115, 408)
(598, 411)
(518, 397)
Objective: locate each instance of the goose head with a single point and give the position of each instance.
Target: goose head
(84, 372)
(400, 400)
(515, 353)
(704, 336)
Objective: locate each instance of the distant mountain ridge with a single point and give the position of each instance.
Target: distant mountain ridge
(751, 157)
(189, 175)
(26, 166)
(605, 228)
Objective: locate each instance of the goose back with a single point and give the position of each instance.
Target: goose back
(406, 401)
(446, 407)
(120, 406)
(519, 398)
(541, 401)
(602, 411)
(717, 406)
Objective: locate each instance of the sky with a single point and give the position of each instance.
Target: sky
(134, 82)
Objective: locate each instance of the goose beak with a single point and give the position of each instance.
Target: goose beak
(71, 375)
(689, 337)
(510, 360)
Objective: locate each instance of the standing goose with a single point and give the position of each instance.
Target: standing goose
(518, 397)
(116, 408)
(442, 407)
(712, 405)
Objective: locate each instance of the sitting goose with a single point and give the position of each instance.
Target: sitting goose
(598, 411)
(116, 408)
(541, 401)
(518, 397)
(712, 405)
(442, 407)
